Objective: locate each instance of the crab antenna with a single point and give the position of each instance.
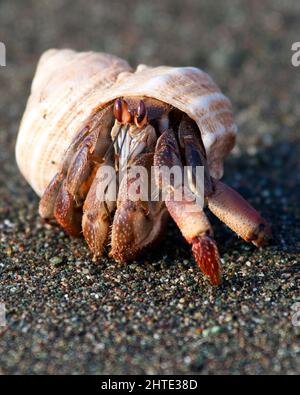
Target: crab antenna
(111, 146)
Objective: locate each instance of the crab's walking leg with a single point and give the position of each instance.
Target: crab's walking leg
(66, 213)
(68, 205)
(194, 155)
(98, 210)
(47, 202)
(196, 229)
(100, 122)
(79, 171)
(238, 214)
(188, 215)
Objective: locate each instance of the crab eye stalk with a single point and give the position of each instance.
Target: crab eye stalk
(121, 111)
(140, 118)
(118, 110)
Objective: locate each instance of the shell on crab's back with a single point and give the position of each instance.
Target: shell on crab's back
(64, 81)
(69, 87)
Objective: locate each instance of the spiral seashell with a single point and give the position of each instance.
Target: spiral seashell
(69, 87)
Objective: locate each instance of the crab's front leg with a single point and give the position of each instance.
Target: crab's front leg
(194, 155)
(98, 208)
(68, 204)
(75, 160)
(64, 197)
(187, 214)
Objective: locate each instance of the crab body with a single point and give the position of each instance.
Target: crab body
(89, 112)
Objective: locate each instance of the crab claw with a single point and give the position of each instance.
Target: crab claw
(134, 229)
(137, 223)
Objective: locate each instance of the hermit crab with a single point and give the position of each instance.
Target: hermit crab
(89, 110)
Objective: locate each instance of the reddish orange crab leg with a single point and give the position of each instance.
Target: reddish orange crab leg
(238, 214)
(194, 153)
(64, 197)
(97, 215)
(188, 215)
(196, 229)
(66, 213)
(87, 137)
(68, 206)
(47, 202)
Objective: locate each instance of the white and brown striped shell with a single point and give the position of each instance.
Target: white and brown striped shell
(69, 86)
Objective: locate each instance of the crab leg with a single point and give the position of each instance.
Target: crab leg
(88, 137)
(194, 154)
(68, 205)
(47, 202)
(238, 214)
(188, 215)
(197, 231)
(66, 213)
(97, 213)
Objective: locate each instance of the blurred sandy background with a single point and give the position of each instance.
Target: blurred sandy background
(158, 315)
